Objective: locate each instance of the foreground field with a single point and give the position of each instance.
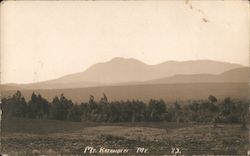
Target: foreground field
(27, 136)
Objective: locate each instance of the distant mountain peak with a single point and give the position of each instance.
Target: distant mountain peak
(125, 70)
(124, 60)
(118, 59)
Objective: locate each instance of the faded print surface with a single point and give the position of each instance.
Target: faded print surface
(137, 77)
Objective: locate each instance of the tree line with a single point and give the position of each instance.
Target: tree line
(103, 110)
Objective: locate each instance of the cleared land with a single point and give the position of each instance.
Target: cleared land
(32, 136)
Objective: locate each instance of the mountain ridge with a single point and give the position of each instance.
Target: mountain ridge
(123, 70)
(128, 70)
(233, 76)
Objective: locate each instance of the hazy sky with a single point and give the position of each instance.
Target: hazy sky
(42, 40)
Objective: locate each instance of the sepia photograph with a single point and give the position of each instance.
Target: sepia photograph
(124, 77)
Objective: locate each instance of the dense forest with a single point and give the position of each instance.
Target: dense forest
(103, 110)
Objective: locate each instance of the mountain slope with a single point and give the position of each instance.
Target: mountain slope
(114, 71)
(119, 71)
(234, 75)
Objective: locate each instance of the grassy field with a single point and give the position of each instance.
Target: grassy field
(32, 136)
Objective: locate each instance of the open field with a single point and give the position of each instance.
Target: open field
(167, 92)
(33, 136)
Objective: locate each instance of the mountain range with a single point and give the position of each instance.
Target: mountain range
(122, 71)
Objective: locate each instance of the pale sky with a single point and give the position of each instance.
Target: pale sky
(42, 40)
